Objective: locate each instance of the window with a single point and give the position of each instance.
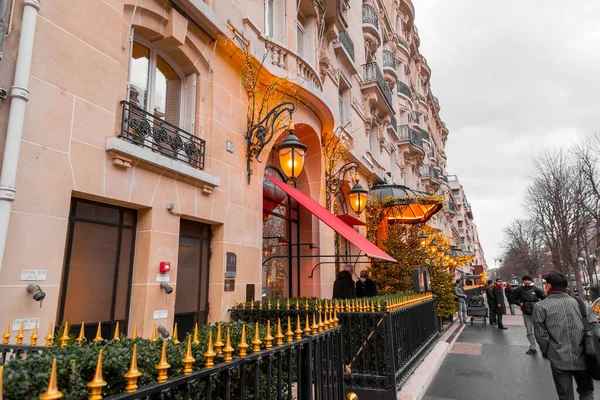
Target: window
(374, 144)
(344, 102)
(275, 19)
(300, 36)
(460, 224)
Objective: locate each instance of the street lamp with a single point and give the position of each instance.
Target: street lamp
(423, 239)
(358, 196)
(291, 152)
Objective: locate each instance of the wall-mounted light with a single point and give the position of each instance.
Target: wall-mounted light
(170, 208)
(166, 287)
(291, 154)
(36, 292)
(358, 196)
(163, 331)
(423, 239)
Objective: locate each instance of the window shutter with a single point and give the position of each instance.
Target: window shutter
(189, 103)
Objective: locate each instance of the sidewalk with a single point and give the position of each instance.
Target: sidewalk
(486, 363)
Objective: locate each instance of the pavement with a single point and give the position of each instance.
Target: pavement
(486, 363)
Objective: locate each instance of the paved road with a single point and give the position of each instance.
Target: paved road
(486, 363)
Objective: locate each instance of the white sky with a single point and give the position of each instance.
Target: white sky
(513, 77)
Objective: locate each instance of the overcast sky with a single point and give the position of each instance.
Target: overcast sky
(513, 77)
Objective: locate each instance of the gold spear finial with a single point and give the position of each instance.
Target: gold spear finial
(196, 341)
(307, 326)
(378, 305)
(163, 366)
(116, 335)
(153, 338)
(34, 338)
(279, 335)
(306, 304)
(287, 306)
(210, 354)
(252, 305)
(228, 350)
(372, 305)
(20, 335)
(81, 336)
(269, 304)
(52, 392)
(6, 336)
(297, 304)
(298, 328)
(320, 324)
(188, 360)
(277, 305)
(289, 334)
(219, 342)
(335, 318)
(314, 327)
(98, 337)
(175, 339)
(256, 342)
(65, 336)
(97, 383)
(50, 337)
(243, 346)
(268, 338)
(133, 374)
(134, 336)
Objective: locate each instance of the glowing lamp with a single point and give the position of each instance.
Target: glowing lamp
(291, 154)
(358, 196)
(423, 239)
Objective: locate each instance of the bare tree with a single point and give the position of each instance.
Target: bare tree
(524, 251)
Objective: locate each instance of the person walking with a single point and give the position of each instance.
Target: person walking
(499, 304)
(527, 296)
(558, 327)
(461, 298)
(489, 294)
(510, 293)
(343, 286)
(365, 287)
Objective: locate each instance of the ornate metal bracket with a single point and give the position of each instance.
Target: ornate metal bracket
(340, 175)
(262, 133)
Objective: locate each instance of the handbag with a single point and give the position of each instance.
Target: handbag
(591, 345)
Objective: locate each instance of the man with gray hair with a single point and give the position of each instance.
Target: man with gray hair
(343, 287)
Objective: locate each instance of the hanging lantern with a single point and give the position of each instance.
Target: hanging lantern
(432, 246)
(291, 154)
(358, 196)
(423, 239)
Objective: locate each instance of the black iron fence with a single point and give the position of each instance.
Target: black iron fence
(389, 60)
(372, 73)
(382, 349)
(369, 15)
(347, 42)
(401, 41)
(404, 89)
(393, 123)
(151, 131)
(407, 134)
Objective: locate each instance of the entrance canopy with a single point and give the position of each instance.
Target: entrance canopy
(407, 206)
(332, 221)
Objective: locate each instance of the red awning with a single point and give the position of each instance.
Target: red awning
(351, 221)
(332, 221)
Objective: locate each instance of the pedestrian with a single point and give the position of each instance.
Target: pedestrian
(526, 296)
(461, 298)
(489, 294)
(558, 326)
(510, 297)
(343, 286)
(365, 287)
(500, 306)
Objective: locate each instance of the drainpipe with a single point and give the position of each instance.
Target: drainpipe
(19, 94)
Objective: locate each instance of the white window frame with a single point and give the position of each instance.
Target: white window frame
(300, 27)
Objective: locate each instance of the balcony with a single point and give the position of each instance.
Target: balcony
(430, 175)
(347, 44)
(415, 118)
(402, 42)
(425, 67)
(422, 98)
(389, 67)
(370, 24)
(437, 102)
(404, 90)
(372, 75)
(452, 208)
(393, 126)
(410, 140)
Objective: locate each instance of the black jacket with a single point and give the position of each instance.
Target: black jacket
(511, 296)
(489, 293)
(367, 289)
(499, 299)
(528, 296)
(343, 287)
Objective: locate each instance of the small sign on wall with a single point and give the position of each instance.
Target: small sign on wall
(160, 314)
(163, 277)
(28, 324)
(229, 285)
(230, 265)
(34, 275)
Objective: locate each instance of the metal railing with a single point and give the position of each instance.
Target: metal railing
(436, 101)
(402, 41)
(372, 73)
(347, 42)
(382, 349)
(415, 117)
(369, 15)
(394, 123)
(150, 131)
(388, 59)
(407, 134)
(431, 172)
(422, 98)
(404, 89)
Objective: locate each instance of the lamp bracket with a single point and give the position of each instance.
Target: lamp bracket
(260, 134)
(339, 176)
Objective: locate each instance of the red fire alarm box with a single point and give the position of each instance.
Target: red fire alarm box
(165, 266)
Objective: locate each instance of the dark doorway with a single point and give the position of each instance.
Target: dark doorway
(96, 284)
(193, 267)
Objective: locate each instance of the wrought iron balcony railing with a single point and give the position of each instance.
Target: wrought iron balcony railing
(407, 134)
(150, 131)
(428, 171)
(404, 89)
(422, 98)
(388, 59)
(393, 123)
(415, 117)
(372, 73)
(369, 15)
(347, 42)
(402, 41)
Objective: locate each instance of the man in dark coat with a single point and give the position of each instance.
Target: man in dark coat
(365, 287)
(499, 305)
(343, 287)
(489, 294)
(526, 297)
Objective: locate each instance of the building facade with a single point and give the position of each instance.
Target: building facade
(127, 194)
